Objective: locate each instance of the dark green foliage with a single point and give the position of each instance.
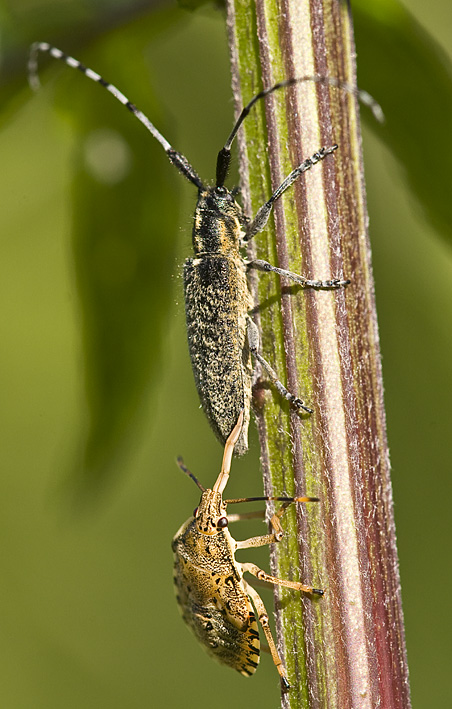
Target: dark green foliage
(414, 86)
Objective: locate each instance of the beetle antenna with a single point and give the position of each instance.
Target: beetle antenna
(224, 156)
(176, 158)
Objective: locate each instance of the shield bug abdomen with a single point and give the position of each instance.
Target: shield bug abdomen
(217, 300)
(224, 641)
(238, 648)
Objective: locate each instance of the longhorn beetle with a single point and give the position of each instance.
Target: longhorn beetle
(213, 596)
(221, 335)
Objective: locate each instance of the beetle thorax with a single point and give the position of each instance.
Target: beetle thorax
(211, 508)
(218, 221)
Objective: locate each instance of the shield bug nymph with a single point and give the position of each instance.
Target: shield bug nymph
(215, 600)
(222, 337)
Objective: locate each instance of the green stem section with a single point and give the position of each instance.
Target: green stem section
(346, 649)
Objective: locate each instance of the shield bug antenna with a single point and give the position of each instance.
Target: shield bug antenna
(215, 600)
(222, 337)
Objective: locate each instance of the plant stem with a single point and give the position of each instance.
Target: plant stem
(325, 347)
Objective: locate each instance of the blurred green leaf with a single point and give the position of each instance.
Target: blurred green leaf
(125, 219)
(195, 4)
(71, 25)
(402, 66)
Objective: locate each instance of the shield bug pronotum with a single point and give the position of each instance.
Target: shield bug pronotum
(221, 335)
(215, 600)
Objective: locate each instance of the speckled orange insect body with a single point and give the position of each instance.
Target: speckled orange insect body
(215, 600)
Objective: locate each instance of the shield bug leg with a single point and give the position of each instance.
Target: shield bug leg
(262, 616)
(275, 523)
(263, 576)
(258, 514)
(253, 342)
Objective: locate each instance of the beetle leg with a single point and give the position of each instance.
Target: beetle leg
(261, 265)
(253, 341)
(261, 218)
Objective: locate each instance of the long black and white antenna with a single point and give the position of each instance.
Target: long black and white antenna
(224, 156)
(179, 160)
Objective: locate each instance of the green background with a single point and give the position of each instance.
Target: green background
(87, 614)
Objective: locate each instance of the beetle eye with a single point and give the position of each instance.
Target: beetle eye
(222, 522)
(195, 512)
